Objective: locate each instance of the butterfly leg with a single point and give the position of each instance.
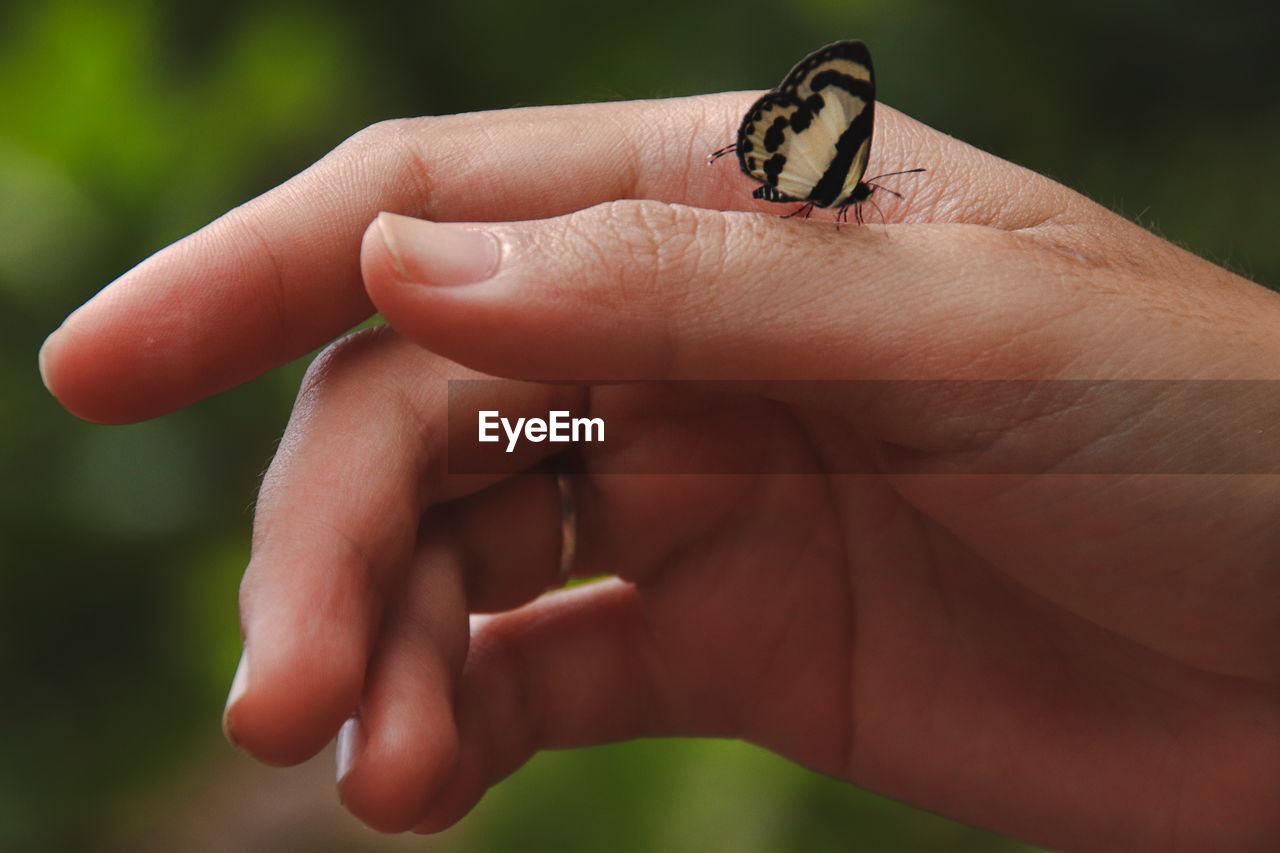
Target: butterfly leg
(803, 210)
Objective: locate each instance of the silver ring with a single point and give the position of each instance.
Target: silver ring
(568, 528)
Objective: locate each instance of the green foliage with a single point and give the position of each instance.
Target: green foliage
(125, 125)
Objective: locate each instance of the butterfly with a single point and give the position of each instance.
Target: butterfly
(809, 140)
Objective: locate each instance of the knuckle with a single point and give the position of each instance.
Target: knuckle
(382, 134)
(659, 264)
(648, 244)
(390, 153)
(341, 359)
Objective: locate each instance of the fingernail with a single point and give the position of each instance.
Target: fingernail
(238, 684)
(350, 739)
(42, 361)
(432, 253)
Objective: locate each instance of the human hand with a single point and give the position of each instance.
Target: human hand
(1082, 660)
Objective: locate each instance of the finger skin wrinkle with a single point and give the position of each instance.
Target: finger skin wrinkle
(660, 243)
(406, 142)
(625, 156)
(274, 288)
(691, 150)
(702, 126)
(365, 566)
(329, 368)
(574, 157)
(503, 702)
(965, 184)
(532, 702)
(646, 651)
(1047, 210)
(296, 462)
(669, 242)
(679, 255)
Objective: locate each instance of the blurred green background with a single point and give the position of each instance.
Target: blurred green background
(125, 125)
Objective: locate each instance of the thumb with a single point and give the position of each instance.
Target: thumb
(648, 290)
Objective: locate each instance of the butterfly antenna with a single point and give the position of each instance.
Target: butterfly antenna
(717, 154)
(884, 189)
(891, 174)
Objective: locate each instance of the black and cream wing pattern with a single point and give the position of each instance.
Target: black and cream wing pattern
(809, 140)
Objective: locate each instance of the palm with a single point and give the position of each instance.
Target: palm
(857, 622)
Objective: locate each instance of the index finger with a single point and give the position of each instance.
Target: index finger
(280, 275)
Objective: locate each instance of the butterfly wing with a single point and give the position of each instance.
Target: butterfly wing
(767, 149)
(809, 139)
